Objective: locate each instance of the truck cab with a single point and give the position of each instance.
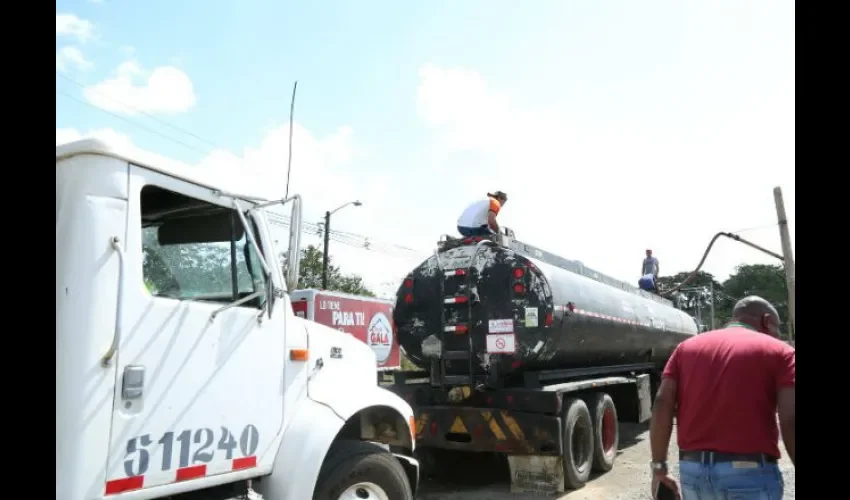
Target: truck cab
(181, 368)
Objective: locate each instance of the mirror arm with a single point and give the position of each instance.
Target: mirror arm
(267, 204)
(250, 235)
(244, 299)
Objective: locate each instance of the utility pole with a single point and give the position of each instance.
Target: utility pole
(711, 291)
(325, 252)
(699, 313)
(788, 255)
(328, 214)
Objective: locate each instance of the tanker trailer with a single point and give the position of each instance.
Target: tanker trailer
(532, 355)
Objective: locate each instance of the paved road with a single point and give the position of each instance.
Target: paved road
(486, 477)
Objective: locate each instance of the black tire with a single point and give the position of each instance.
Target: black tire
(578, 443)
(351, 462)
(606, 431)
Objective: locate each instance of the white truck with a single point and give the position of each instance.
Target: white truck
(181, 369)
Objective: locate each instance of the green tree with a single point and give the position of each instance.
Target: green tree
(765, 280)
(310, 274)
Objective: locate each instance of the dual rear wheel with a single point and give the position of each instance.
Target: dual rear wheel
(591, 437)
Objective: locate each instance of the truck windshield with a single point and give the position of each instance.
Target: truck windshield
(197, 251)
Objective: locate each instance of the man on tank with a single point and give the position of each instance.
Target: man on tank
(649, 265)
(479, 218)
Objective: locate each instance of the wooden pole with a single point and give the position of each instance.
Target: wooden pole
(788, 255)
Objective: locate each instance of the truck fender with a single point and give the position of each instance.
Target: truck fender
(301, 453)
(376, 398)
(310, 435)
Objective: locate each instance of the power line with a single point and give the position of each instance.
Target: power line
(353, 239)
(131, 122)
(754, 228)
(137, 110)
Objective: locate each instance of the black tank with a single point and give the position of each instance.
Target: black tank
(518, 308)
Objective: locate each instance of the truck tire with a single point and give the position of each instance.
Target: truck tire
(606, 431)
(361, 470)
(578, 443)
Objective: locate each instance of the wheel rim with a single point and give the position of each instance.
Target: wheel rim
(609, 431)
(580, 446)
(364, 491)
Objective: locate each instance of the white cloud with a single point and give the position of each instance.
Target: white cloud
(165, 90)
(604, 194)
(327, 172)
(111, 136)
(69, 25)
(68, 57)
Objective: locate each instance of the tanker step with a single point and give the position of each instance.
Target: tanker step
(455, 355)
(455, 364)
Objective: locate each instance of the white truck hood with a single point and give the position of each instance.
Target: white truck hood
(343, 374)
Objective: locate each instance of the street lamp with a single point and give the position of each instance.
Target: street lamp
(328, 239)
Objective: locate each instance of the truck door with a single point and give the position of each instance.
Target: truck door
(200, 363)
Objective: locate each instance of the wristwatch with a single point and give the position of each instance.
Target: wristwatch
(658, 466)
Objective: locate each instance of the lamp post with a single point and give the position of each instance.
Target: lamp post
(328, 240)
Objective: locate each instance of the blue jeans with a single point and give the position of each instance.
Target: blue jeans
(725, 481)
(474, 231)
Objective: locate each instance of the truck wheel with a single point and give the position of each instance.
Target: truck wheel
(606, 432)
(357, 470)
(578, 443)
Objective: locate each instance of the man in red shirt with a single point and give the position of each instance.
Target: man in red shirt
(728, 385)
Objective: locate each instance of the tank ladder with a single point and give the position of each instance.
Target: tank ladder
(453, 332)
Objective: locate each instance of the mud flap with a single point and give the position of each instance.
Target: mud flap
(644, 396)
(411, 468)
(539, 474)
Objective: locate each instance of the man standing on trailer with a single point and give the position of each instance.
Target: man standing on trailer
(650, 265)
(479, 219)
(728, 384)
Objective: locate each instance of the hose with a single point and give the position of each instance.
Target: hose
(708, 249)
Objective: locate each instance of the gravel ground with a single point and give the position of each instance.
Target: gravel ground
(486, 477)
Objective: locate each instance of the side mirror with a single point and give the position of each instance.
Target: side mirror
(270, 295)
(276, 222)
(294, 260)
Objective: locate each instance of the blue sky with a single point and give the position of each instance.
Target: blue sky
(581, 111)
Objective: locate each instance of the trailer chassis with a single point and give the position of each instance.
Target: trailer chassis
(554, 429)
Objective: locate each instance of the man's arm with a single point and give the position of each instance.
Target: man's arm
(787, 420)
(661, 427)
(664, 409)
(491, 220)
(785, 398)
(657, 268)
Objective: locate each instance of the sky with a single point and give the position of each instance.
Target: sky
(613, 126)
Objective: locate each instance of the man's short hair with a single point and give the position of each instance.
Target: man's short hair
(753, 308)
(499, 194)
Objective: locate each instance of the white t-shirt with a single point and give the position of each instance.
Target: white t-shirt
(475, 215)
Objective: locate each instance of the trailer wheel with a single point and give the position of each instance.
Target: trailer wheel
(606, 432)
(361, 470)
(578, 443)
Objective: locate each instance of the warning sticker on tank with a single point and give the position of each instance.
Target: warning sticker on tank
(501, 343)
(531, 317)
(501, 326)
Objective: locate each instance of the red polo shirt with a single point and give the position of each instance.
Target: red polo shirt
(727, 385)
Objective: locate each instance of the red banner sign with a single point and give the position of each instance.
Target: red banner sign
(369, 320)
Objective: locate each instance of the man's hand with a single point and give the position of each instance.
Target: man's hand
(664, 477)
